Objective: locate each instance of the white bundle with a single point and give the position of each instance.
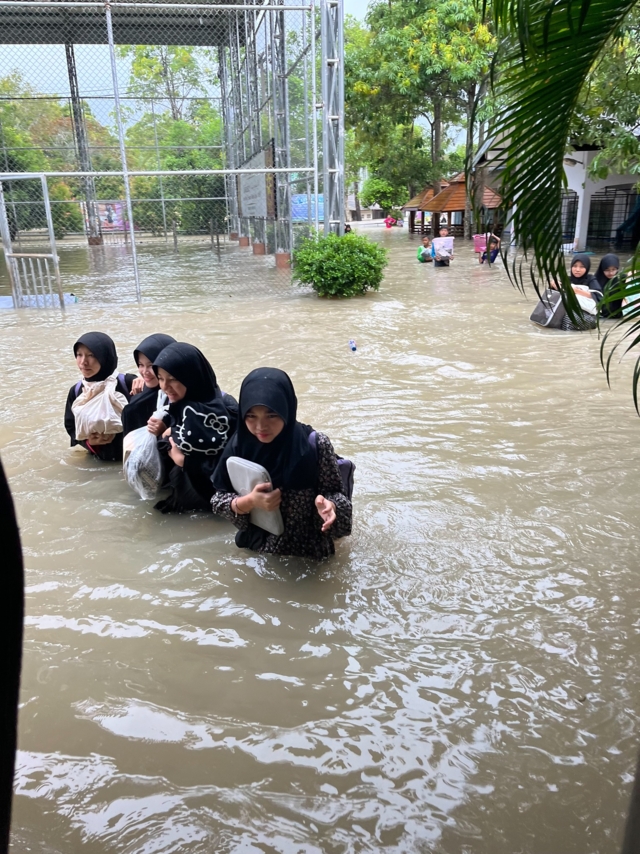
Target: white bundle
(98, 408)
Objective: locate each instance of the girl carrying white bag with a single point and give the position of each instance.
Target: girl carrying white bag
(98, 408)
(142, 463)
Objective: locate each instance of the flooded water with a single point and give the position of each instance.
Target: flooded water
(461, 677)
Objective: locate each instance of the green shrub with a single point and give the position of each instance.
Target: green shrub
(339, 266)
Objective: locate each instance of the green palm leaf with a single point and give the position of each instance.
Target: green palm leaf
(546, 50)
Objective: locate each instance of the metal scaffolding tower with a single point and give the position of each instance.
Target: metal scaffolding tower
(332, 16)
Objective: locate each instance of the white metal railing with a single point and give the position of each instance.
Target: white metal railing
(33, 282)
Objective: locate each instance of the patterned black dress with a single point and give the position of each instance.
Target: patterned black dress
(302, 524)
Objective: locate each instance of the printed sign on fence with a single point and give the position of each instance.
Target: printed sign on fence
(253, 188)
(111, 216)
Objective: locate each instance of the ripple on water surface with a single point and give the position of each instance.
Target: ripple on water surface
(458, 678)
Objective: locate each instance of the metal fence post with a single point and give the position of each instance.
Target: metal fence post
(5, 235)
(52, 238)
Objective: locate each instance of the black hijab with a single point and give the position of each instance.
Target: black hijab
(608, 261)
(612, 307)
(201, 422)
(142, 406)
(152, 346)
(103, 349)
(587, 277)
(290, 459)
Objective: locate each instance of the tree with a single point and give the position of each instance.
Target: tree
(550, 50)
(377, 191)
(419, 61)
(355, 160)
(171, 73)
(607, 114)
(66, 214)
(188, 136)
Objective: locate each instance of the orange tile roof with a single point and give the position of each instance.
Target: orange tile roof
(455, 196)
(417, 202)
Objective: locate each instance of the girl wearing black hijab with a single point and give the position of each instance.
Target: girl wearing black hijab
(142, 406)
(607, 280)
(305, 481)
(202, 419)
(585, 285)
(97, 359)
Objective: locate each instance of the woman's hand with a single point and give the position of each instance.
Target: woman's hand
(327, 512)
(582, 292)
(261, 497)
(176, 454)
(156, 426)
(265, 497)
(137, 386)
(101, 438)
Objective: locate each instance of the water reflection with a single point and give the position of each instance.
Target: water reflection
(457, 678)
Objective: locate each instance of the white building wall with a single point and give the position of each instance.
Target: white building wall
(575, 167)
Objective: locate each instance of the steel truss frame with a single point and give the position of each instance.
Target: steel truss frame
(332, 16)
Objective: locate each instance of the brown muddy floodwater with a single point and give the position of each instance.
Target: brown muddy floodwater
(461, 677)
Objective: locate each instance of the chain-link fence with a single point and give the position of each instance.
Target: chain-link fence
(161, 121)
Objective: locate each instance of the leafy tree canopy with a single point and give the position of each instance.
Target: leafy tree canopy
(607, 114)
(377, 191)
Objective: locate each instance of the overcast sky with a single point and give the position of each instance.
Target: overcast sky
(357, 8)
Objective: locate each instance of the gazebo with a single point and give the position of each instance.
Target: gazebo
(452, 201)
(415, 205)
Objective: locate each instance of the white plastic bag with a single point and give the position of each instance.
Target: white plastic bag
(587, 304)
(143, 464)
(98, 408)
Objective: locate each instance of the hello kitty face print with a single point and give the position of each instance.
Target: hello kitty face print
(201, 432)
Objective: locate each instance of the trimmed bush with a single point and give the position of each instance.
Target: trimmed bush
(339, 266)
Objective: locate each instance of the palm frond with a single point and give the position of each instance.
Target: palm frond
(546, 50)
(625, 335)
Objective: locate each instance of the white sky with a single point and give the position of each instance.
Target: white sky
(357, 8)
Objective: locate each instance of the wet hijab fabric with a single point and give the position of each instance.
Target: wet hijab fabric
(103, 348)
(152, 346)
(142, 406)
(609, 309)
(201, 422)
(585, 279)
(608, 261)
(290, 459)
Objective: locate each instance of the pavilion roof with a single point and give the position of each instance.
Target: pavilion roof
(454, 198)
(417, 202)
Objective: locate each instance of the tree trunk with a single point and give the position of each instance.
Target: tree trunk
(480, 181)
(356, 190)
(171, 92)
(436, 147)
(471, 198)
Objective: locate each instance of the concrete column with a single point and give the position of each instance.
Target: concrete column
(585, 190)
